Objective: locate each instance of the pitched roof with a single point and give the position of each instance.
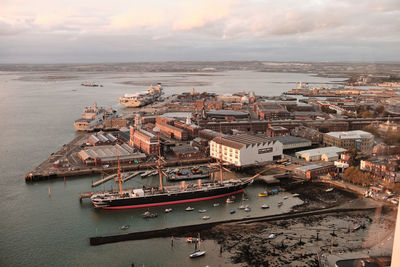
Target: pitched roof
(240, 140)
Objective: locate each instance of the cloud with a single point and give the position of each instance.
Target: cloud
(137, 17)
(14, 26)
(194, 14)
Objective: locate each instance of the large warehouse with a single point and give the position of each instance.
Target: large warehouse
(244, 150)
(99, 155)
(324, 153)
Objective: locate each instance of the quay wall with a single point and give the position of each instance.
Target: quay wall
(99, 170)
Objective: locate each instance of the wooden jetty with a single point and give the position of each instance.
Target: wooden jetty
(85, 195)
(99, 182)
(131, 176)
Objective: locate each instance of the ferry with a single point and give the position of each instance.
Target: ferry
(142, 99)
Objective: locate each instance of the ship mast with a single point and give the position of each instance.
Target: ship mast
(119, 174)
(220, 153)
(159, 165)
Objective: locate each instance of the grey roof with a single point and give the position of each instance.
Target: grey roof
(308, 167)
(184, 149)
(111, 137)
(289, 139)
(109, 153)
(226, 113)
(321, 151)
(240, 140)
(350, 134)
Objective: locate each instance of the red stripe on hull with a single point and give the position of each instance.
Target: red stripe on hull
(172, 202)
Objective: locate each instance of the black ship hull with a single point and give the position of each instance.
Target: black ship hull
(174, 197)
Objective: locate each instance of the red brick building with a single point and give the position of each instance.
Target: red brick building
(144, 140)
(273, 131)
(172, 131)
(270, 111)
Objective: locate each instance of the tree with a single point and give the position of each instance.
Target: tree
(372, 129)
(355, 176)
(392, 138)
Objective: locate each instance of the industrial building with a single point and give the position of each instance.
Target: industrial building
(292, 142)
(273, 131)
(172, 131)
(324, 153)
(362, 141)
(102, 139)
(270, 111)
(144, 140)
(100, 155)
(314, 170)
(186, 152)
(244, 150)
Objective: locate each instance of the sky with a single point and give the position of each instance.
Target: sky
(95, 31)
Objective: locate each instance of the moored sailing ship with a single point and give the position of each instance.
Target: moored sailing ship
(167, 195)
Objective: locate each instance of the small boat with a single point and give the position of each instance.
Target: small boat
(264, 206)
(271, 236)
(329, 189)
(280, 204)
(247, 209)
(124, 227)
(242, 207)
(295, 195)
(202, 211)
(149, 214)
(264, 194)
(206, 217)
(215, 204)
(228, 200)
(197, 252)
(285, 197)
(232, 212)
(191, 240)
(168, 210)
(189, 209)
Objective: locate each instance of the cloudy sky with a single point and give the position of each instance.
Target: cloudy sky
(84, 31)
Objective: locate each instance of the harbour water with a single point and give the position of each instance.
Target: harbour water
(37, 113)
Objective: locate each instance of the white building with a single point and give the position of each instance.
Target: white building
(362, 141)
(324, 153)
(242, 150)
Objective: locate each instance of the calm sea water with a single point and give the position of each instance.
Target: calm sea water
(37, 113)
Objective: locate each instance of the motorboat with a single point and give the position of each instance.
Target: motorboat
(285, 197)
(229, 200)
(206, 217)
(215, 204)
(189, 209)
(232, 212)
(264, 206)
(168, 210)
(202, 211)
(247, 209)
(124, 227)
(149, 214)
